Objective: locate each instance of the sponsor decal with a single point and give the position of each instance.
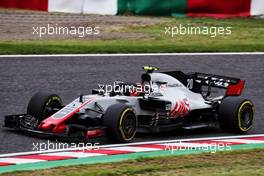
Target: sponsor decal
(70, 108)
(66, 110)
(180, 109)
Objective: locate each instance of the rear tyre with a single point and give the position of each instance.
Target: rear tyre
(236, 114)
(43, 105)
(121, 122)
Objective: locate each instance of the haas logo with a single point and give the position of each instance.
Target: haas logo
(181, 109)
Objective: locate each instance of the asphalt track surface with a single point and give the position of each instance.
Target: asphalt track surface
(71, 76)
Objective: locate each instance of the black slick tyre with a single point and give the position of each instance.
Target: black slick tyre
(42, 105)
(236, 114)
(121, 121)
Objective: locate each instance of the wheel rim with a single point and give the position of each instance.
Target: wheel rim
(49, 109)
(129, 124)
(246, 117)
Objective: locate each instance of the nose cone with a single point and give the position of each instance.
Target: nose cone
(46, 126)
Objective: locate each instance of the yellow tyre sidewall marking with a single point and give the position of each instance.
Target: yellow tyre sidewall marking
(239, 115)
(53, 98)
(120, 124)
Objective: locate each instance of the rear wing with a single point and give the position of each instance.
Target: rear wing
(233, 86)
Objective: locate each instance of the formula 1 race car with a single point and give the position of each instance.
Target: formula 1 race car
(162, 101)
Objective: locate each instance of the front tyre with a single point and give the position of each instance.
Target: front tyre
(43, 105)
(236, 114)
(121, 122)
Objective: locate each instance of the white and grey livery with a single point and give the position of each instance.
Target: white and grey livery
(162, 101)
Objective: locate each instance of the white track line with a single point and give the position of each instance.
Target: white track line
(130, 144)
(134, 149)
(133, 54)
(245, 141)
(19, 160)
(73, 154)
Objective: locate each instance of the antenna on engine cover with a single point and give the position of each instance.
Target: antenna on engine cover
(81, 98)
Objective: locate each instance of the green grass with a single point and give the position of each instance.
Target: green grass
(235, 163)
(247, 35)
